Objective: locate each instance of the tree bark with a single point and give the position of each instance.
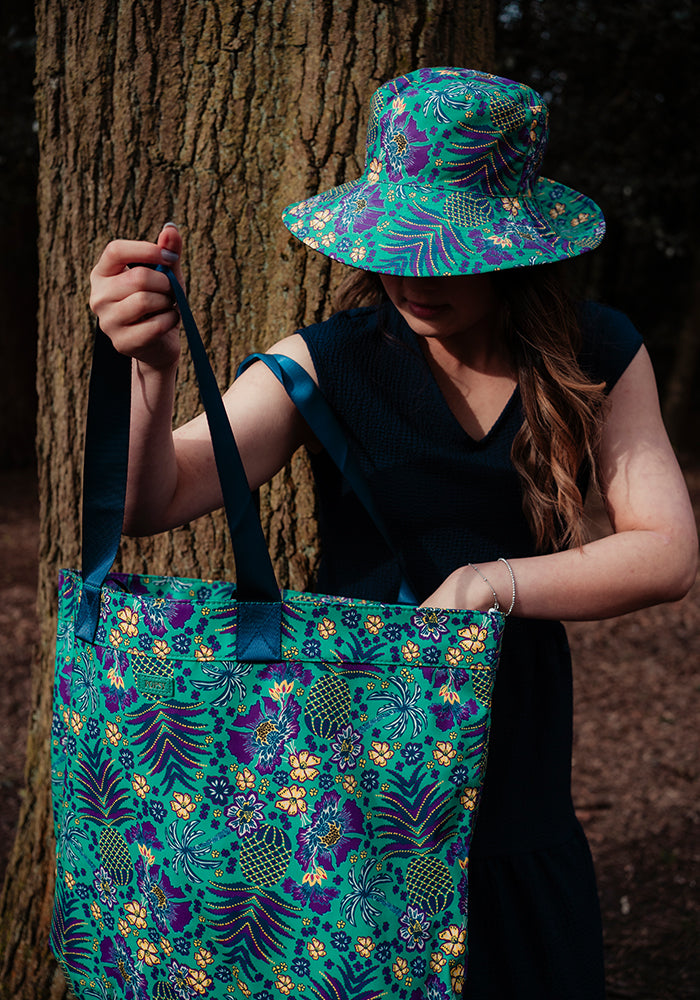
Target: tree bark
(214, 115)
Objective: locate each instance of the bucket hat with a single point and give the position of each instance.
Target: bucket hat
(451, 184)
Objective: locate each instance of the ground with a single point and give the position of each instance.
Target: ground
(636, 760)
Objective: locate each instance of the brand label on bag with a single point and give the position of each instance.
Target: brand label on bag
(155, 687)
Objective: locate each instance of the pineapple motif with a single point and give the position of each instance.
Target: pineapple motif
(114, 856)
(429, 884)
(265, 855)
(328, 706)
(483, 685)
(163, 991)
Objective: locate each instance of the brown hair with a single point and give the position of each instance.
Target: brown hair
(562, 407)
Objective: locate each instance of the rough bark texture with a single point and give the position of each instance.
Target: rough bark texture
(215, 115)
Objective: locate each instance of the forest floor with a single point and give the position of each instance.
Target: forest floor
(636, 759)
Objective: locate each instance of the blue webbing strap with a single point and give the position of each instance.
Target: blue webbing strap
(314, 408)
(104, 489)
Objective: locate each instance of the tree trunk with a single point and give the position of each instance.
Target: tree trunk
(214, 115)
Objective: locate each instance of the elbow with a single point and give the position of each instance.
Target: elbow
(683, 569)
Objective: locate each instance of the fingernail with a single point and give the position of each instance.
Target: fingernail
(169, 257)
(170, 225)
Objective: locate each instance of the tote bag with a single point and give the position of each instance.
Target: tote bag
(256, 794)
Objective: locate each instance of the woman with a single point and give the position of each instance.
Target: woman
(478, 403)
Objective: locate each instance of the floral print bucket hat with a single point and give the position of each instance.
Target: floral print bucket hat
(451, 184)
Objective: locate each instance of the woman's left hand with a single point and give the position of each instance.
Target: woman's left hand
(466, 588)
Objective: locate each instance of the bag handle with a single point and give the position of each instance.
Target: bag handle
(314, 408)
(105, 474)
(105, 471)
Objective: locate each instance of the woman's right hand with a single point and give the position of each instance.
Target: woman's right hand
(135, 304)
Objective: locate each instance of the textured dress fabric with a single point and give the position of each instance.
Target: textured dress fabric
(448, 499)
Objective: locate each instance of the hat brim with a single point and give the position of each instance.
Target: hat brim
(409, 229)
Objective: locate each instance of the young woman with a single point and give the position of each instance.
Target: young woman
(479, 403)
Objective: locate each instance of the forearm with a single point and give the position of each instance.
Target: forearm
(608, 577)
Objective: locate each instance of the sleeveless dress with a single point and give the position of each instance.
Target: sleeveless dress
(447, 499)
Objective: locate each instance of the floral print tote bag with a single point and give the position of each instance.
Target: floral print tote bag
(256, 794)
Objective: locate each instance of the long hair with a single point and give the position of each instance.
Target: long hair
(562, 407)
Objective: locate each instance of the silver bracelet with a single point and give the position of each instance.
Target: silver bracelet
(496, 605)
(512, 580)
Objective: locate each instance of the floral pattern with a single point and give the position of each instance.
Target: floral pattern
(452, 174)
(266, 829)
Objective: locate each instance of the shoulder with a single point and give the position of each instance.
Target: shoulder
(609, 342)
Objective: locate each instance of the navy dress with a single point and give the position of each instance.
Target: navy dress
(447, 499)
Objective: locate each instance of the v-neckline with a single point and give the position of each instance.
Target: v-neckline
(514, 397)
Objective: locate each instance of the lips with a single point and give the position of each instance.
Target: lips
(422, 310)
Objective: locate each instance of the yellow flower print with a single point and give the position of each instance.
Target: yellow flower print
(115, 637)
(557, 210)
(140, 786)
(400, 968)
(136, 914)
(76, 723)
(303, 765)
(316, 948)
(373, 624)
(453, 656)
(245, 990)
(350, 784)
(285, 985)
(411, 651)
(365, 946)
(380, 753)
(69, 880)
(245, 779)
(115, 678)
(198, 980)
(453, 940)
(398, 104)
(473, 638)
(147, 952)
(95, 910)
(291, 800)
(123, 927)
(357, 254)
(280, 689)
(448, 694)
(112, 733)
(166, 947)
(203, 958)
(204, 653)
(315, 877)
(581, 217)
(147, 854)
(128, 622)
(182, 805)
(160, 648)
(326, 628)
(468, 798)
(311, 242)
(375, 169)
(437, 960)
(457, 978)
(511, 205)
(444, 752)
(328, 239)
(321, 218)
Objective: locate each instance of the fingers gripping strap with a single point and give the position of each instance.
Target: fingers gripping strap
(314, 408)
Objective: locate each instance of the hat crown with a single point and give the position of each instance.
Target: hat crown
(458, 129)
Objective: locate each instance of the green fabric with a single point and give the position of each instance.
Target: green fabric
(298, 828)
